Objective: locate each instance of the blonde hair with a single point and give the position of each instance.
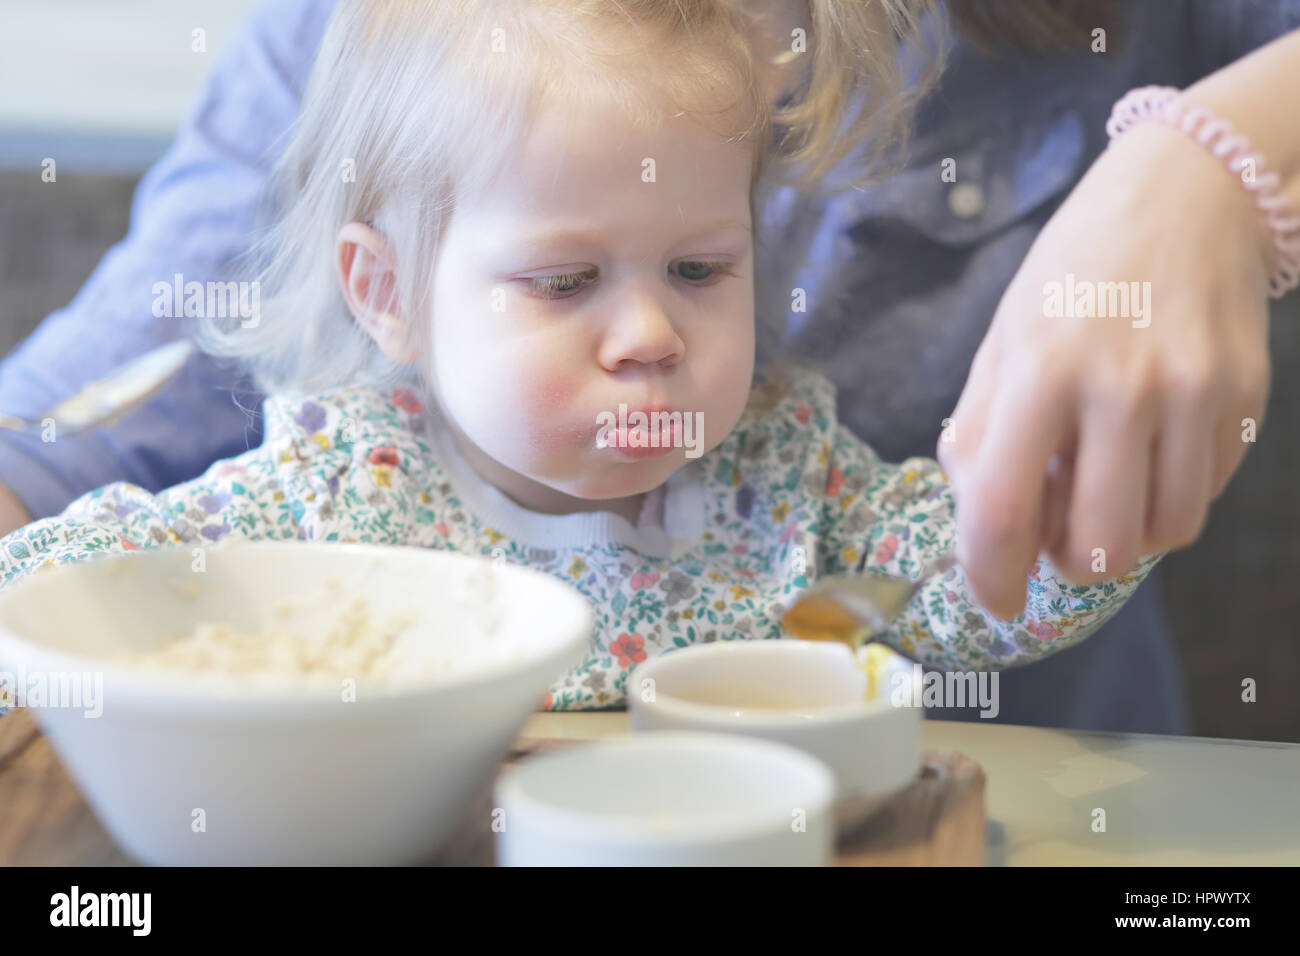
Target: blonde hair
(411, 102)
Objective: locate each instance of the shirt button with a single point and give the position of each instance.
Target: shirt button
(966, 200)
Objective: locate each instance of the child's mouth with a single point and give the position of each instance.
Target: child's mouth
(645, 433)
(620, 447)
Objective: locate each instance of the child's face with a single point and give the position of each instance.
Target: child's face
(637, 311)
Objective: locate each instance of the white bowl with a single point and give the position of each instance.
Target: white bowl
(810, 695)
(184, 768)
(667, 800)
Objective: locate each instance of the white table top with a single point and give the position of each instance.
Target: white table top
(1169, 801)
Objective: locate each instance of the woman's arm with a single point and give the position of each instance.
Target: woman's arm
(193, 212)
(13, 514)
(1255, 94)
(1148, 414)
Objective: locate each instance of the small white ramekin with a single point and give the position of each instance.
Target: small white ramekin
(873, 747)
(667, 799)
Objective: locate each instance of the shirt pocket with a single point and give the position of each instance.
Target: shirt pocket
(999, 176)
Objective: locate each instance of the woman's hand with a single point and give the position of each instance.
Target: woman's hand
(1098, 438)
(13, 513)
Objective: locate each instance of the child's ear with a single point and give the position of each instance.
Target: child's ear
(369, 285)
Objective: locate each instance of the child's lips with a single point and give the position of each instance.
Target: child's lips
(654, 440)
(623, 449)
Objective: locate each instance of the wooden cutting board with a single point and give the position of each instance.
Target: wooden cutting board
(939, 820)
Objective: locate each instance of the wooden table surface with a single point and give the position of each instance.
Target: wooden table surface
(1167, 800)
(938, 820)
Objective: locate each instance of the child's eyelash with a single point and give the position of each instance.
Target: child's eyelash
(720, 267)
(558, 286)
(561, 286)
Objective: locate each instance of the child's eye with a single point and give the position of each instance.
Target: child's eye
(698, 270)
(695, 271)
(561, 286)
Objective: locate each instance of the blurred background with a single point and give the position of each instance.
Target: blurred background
(105, 91)
(102, 85)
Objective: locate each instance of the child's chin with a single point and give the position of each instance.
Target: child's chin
(624, 486)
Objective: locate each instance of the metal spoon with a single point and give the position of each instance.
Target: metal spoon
(110, 398)
(849, 608)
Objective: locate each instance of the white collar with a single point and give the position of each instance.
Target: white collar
(683, 498)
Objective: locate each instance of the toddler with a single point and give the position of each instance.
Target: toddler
(508, 309)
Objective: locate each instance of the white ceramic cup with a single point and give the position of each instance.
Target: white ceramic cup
(667, 799)
(809, 695)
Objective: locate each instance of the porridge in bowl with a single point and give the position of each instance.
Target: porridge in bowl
(355, 646)
(318, 641)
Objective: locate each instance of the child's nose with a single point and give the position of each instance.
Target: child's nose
(641, 332)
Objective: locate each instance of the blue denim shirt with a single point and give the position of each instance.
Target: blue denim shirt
(901, 282)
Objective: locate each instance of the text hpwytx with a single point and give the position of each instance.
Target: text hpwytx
(102, 909)
(1155, 899)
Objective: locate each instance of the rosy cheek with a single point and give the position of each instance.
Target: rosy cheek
(545, 403)
(551, 395)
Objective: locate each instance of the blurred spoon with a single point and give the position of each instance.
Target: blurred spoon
(849, 608)
(109, 398)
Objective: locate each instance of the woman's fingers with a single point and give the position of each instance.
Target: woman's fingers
(1181, 471)
(1096, 453)
(1056, 502)
(1000, 494)
(1108, 501)
(960, 434)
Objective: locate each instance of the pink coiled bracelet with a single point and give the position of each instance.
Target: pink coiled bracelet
(1164, 104)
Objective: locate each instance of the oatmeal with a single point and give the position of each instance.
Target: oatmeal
(353, 647)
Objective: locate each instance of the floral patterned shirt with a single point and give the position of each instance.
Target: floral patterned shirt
(790, 495)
